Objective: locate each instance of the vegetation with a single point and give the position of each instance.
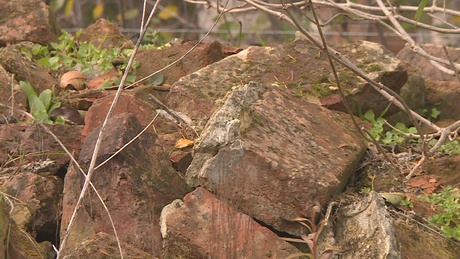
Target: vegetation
(70, 54)
(401, 134)
(41, 105)
(448, 211)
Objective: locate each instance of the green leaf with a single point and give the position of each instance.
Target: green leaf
(37, 109)
(369, 116)
(385, 111)
(45, 98)
(435, 113)
(419, 12)
(26, 52)
(54, 45)
(28, 89)
(53, 107)
(401, 126)
(78, 33)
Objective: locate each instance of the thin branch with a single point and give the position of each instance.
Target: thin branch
(102, 131)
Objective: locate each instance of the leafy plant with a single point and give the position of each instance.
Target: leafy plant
(73, 55)
(41, 105)
(448, 218)
(395, 137)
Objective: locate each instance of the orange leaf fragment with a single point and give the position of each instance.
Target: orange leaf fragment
(183, 143)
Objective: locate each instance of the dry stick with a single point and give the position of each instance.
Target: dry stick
(342, 94)
(181, 57)
(119, 91)
(101, 132)
(451, 62)
(172, 113)
(382, 89)
(77, 165)
(12, 96)
(128, 143)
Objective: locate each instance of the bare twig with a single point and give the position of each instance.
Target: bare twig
(102, 130)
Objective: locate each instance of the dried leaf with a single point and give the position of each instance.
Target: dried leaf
(394, 198)
(183, 143)
(74, 79)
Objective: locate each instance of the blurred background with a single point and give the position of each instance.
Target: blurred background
(179, 19)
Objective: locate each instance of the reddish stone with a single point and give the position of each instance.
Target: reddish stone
(126, 103)
(135, 185)
(204, 227)
(27, 20)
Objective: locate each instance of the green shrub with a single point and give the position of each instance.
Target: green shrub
(41, 105)
(448, 217)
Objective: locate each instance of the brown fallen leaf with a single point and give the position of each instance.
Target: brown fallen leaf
(183, 143)
(73, 79)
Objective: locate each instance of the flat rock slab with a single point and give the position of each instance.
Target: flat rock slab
(202, 226)
(274, 156)
(299, 68)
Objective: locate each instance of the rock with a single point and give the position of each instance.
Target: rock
(273, 156)
(41, 194)
(444, 96)
(24, 69)
(413, 93)
(154, 60)
(29, 20)
(203, 226)
(127, 103)
(135, 185)
(364, 229)
(380, 65)
(297, 67)
(81, 100)
(20, 141)
(20, 99)
(17, 243)
(105, 34)
(424, 66)
(103, 245)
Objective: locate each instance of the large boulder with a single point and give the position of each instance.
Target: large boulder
(27, 20)
(274, 156)
(135, 185)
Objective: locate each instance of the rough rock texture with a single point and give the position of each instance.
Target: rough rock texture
(105, 34)
(17, 243)
(41, 194)
(274, 156)
(296, 67)
(31, 143)
(103, 245)
(27, 20)
(20, 100)
(24, 69)
(127, 103)
(444, 96)
(202, 226)
(423, 65)
(380, 65)
(154, 60)
(364, 229)
(135, 185)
